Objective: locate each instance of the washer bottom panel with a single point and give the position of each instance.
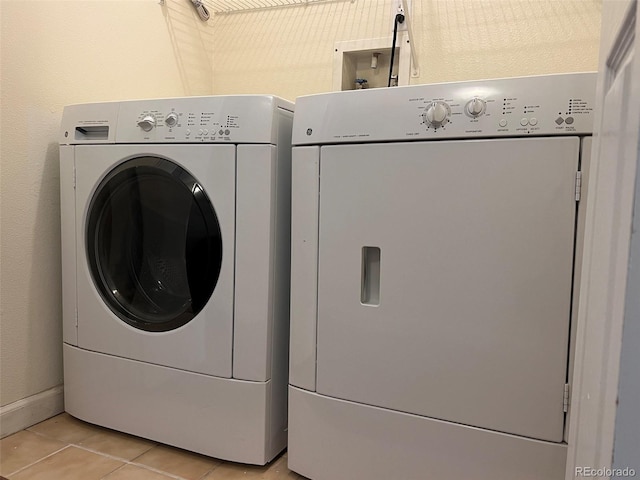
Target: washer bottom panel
(222, 418)
(332, 439)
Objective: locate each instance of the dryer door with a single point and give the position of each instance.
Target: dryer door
(445, 277)
(155, 253)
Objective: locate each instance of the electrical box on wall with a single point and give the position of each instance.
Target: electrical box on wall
(368, 59)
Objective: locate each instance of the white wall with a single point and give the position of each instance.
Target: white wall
(289, 51)
(56, 53)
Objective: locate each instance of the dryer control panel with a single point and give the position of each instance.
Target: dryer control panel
(523, 106)
(214, 119)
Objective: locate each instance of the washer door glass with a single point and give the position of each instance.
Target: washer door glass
(153, 243)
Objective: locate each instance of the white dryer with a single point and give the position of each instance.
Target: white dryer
(433, 276)
(175, 251)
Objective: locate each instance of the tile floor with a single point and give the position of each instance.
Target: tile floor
(68, 449)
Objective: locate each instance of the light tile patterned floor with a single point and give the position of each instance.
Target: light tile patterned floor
(68, 449)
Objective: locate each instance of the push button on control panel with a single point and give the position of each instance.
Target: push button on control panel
(559, 120)
(524, 122)
(503, 122)
(569, 120)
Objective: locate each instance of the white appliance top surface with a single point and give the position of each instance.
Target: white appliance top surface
(525, 106)
(210, 119)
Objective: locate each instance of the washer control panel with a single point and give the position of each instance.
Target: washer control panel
(192, 120)
(186, 124)
(523, 106)
(214, 119)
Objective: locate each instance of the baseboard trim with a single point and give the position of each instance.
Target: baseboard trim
(22, 414)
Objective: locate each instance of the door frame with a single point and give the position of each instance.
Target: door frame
(607, 304)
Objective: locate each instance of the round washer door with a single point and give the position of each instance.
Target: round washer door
(154, 244)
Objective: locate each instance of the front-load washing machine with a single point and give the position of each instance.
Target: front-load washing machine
(435, 256)
(175, 251)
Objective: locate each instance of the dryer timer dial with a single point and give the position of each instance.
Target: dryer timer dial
(437, 114)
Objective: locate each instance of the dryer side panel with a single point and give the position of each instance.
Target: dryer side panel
(282, 294)
(304, 266)
(68, 239)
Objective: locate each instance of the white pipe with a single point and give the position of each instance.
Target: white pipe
(415, 68)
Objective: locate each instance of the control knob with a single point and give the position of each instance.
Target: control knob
(171, 120)
(437, 114)
(147, 123)
(476, 107)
